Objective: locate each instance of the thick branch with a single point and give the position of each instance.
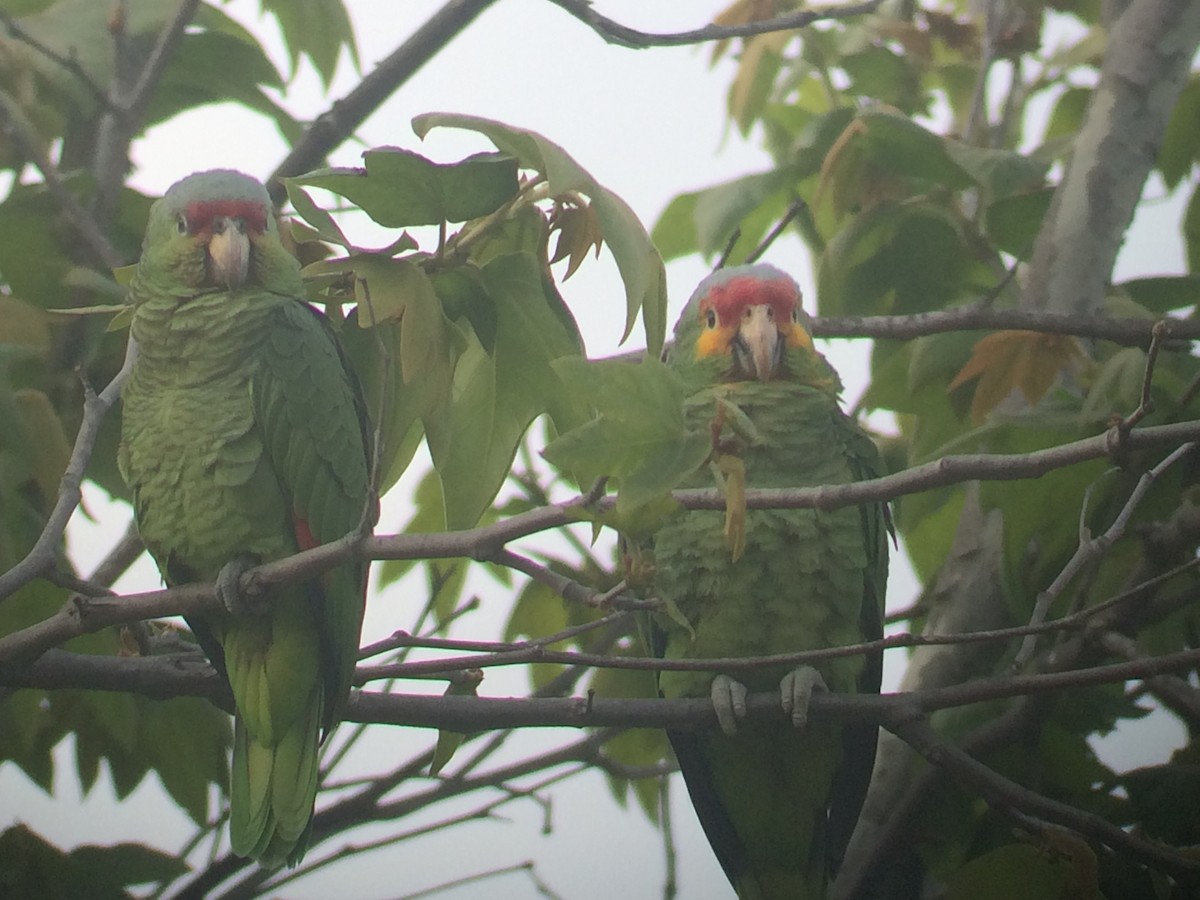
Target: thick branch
(81, 617)
(170, 676)
(1150, 51)
(1125, 331)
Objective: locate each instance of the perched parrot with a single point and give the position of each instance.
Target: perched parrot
(779, 800)
(244, 440)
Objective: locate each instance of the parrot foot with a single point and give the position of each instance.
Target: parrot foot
(229, 591)
(796, 690)
(729, 702)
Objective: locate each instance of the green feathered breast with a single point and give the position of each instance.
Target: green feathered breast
(778, 805)
(243, 436)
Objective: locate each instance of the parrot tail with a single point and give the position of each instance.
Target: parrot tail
(273, 789)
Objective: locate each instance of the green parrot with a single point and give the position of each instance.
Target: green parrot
(778, 801)
(244, 439)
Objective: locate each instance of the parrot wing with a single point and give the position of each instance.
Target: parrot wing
(311, 413)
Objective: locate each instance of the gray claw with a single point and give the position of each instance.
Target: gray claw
(729, 702)
(796, 690)
(228, 586)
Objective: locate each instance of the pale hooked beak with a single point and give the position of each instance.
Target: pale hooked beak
(229, 252)
(758, 346)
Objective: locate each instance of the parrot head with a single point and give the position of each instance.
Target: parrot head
(213, 230)
(749, 322)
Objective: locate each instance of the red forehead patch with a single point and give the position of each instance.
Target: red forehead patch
(201, 213)
(731, 298)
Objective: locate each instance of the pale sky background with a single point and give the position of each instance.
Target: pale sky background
(648, 124)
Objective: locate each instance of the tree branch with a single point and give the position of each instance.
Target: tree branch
(1146, 63)
(1120, 330)
(335, 125)
(162, 677)
(129, 99)
(622, 35)
(1002, 794)
(41, 558)
(1092, 548)
(82, 616)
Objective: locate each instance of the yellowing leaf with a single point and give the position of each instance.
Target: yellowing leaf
(732, 474)
(1008, 361)
(578, 231)
(740, 12)
(756, 72)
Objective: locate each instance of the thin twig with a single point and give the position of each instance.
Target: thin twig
(794, 209)
(1090, 548)
(1002, 793)
(615, 33)
(1146, 402)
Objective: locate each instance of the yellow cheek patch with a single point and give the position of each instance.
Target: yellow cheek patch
(714, 341)
(796, 336)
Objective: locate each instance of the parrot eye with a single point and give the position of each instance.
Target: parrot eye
(710, 318)
(181, 224)
(795, 314)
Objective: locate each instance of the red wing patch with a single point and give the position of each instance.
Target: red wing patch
(304, 536)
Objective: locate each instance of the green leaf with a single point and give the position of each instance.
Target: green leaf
(1013, 222)
(1117, 387)
(126, 865)
(317, 29)
(186, 741)
(898, 258)
(30, 866)
(538, 612)
(1164, 294)
(448, 742)
(1180, 147)
(405, 358)
(635, 746)
(898, 145)
(399, 188)
(327, 229)
(1067, 117)
(217, 66)
(499, 391)
(1191, 231)
(638, 437)
(1000, 173)
(446, 578)
(704, 221)
(637, 259)
(31, 259)
(1014, 870)
(885, 76)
